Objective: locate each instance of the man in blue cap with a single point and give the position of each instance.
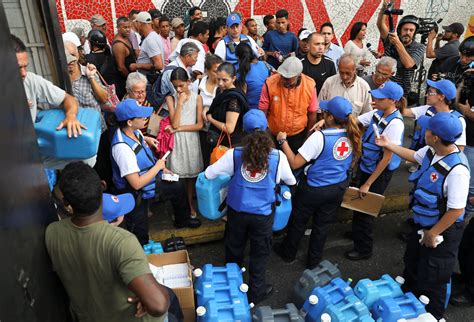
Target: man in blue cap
(136, 170)
(437, 201)
(225, 49)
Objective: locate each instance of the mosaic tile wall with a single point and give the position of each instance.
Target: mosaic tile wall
(308, 13)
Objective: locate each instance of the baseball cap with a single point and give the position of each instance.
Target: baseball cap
(388, 90)
(70, 58)
(155, 13)
(233, 19)
(116, 206)
(338, 106)
(455, 27)
(176, 22)
(98, 20)
(129, 109)
(446, 125)
(444, 86)
(253, 120)
(304, 34)
(143, 17)
(290, 67)
(72, 37)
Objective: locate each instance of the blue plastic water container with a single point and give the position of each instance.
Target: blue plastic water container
(221, 293)
(283, 210)
(210, 195)
(348, 310)
(218, 274)
(391, 309)
(215, 311)
(57, 144)
(319, 276)
(153, 248)
(371, 291)
(333, 293)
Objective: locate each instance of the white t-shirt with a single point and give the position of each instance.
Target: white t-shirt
(393, 131)
(421, 110)
(225, 166)
(456, 185)
(221, 48)
(151, 46)
(199, 86)
(199, 66)
(125, 157)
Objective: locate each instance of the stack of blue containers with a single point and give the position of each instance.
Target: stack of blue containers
(153, 248)
(221, 294)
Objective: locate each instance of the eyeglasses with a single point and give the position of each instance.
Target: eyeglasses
(139, 93)
(382, 74)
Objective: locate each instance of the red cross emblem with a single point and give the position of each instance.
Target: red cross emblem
(342, 148)
(115, 199)
(252, 175)
(433, 177)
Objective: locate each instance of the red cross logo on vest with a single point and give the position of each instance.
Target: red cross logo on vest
(114, 198)
(252, 175)
(433, 176)
(342, 149)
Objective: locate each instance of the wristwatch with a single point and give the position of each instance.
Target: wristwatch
(280, 142)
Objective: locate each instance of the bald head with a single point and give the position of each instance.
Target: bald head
(347, 70)
(347, 61)
(316, 45)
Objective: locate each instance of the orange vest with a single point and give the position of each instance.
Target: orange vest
(288, 107)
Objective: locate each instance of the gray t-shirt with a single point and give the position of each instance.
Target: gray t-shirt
(150, 47)
(40, 90)
(448, 50)
(370, 81)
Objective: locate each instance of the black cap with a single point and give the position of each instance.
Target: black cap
(456, 27)
(155, 13)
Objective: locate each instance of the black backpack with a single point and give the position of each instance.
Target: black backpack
(153, 91)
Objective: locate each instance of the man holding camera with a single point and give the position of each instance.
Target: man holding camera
(401, 45)
(451, 34)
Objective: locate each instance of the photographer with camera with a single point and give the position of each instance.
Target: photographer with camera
(451, 34)
(401, 45)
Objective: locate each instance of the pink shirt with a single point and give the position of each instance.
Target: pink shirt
(166, 49)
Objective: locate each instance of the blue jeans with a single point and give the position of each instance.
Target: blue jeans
(469, 152)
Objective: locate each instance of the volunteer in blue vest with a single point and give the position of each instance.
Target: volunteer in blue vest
(256, 168)
(440, 96)
(136, 170)
(330, 154)
(225, 48)
(438, 201)
(376, 165)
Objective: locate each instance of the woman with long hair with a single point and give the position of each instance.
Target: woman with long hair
(252, 74)
(227, 109)
(217, 31)
(331, 153)
(256, 168)
(356, 47)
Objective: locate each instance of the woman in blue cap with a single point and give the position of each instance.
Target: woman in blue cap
(440, 96)
(256, 168)
(438, 201)
(330, 154)
(135, 169)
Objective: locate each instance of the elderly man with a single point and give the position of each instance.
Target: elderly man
(289, 100)
(347, 84)
(385, 68)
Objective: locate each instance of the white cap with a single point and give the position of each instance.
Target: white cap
(244, 288)
(200, 311)
(143, 17)
(313, 299)
(424, 299)
(72, 37)
(325, 317)
(400, 280)
(287, 195)
(304, 34)
(197, 272)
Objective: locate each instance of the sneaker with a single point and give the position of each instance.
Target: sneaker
(188, 223)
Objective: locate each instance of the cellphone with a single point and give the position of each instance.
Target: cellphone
(376, 130)
(165, 156)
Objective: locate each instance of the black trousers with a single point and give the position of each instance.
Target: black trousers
(296, 141)
(239, 227)
(466, 257)
(428, 270)
(320, 203)
(205, 148)
(362, 224)
(137, 221)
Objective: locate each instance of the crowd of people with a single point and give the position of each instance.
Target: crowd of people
(286, 107)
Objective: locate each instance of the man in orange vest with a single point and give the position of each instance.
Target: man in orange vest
(290, 102)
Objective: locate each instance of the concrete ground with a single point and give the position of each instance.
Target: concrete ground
(387, 258)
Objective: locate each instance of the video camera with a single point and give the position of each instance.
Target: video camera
(426, 26)
(390, 12)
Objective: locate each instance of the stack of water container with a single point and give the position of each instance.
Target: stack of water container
(221, 294)
(153, 248)
(333, 299)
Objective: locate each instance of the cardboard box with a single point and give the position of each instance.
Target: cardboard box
(184, 294)
(371, 204)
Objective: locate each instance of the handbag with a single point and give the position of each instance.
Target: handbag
(220, 150)
(154, 123)
(112, 98)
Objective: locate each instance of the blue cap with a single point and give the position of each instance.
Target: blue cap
(446, 125)
(255, 119)
(388, 90)
(233, 19)
(338, 106)
(116, 206)
(444, 86)
(129, 109)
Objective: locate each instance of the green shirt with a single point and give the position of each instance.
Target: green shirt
(95, 264)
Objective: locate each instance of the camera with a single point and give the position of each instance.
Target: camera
(426, 25)
(468, 84)
(391, 11)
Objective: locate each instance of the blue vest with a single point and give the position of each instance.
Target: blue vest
(335, 159)
(253, 192)
(418, 140)
(145, 160)
(230, 46)
(428, 201)
(372, 153)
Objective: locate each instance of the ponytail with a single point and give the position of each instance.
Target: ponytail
(354, 134)
(402, 104)
(257, 148)
(245, 55)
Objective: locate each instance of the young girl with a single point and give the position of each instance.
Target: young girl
(185, 109)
